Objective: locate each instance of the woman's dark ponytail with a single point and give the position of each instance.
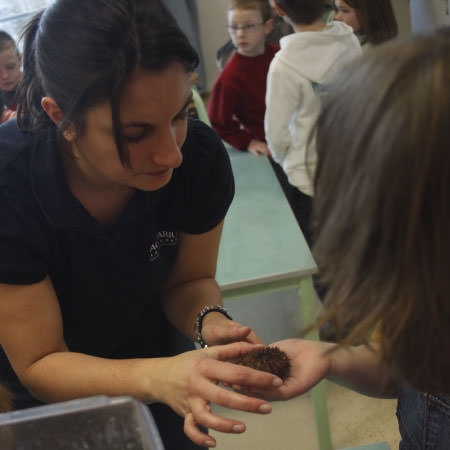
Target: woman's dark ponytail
(30, 115)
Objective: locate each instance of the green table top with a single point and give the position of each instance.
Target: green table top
(261, 241)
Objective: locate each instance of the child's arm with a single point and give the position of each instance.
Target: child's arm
(258, 148)
(359, 368)
(362, 369)
(223, 103)
(283, 97)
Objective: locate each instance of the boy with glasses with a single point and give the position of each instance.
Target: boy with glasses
(280, 28)
(236, 107)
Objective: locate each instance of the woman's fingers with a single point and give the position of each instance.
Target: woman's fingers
(205, 390)
(231, 399)
(253, 338)
(233, 374)
(226, 333)
(240, 332)
(266, 394)
(194, 433)
(204, 417)
(230, 351)
(201, 415)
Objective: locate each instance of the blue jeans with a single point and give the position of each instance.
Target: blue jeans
(424, 421)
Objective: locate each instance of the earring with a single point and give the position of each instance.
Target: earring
(69, 135)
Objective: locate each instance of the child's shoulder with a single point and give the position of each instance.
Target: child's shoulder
(231, 75)
(272, 48)
(232, 69)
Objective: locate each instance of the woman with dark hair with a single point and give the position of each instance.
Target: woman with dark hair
(373, 21)
(111, 207)
(383, 217)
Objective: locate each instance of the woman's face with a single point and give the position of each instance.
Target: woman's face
(347, 14)
(153, 114)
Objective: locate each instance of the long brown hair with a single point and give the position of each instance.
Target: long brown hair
(382, 205)
(376, 19)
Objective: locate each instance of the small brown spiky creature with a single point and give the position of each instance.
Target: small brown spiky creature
(268, 359)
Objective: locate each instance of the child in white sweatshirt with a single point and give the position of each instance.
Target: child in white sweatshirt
(308, 59)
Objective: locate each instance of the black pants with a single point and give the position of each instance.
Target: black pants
(300, 203)
(302, 207)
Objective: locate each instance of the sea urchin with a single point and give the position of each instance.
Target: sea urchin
(267, 359)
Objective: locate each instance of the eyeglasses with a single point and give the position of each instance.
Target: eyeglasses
(249, 27)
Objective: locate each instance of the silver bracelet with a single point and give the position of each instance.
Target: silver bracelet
(199, 320)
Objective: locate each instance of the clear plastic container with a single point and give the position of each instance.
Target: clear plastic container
(93, 423)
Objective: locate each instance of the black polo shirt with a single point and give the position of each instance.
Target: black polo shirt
(106, 280)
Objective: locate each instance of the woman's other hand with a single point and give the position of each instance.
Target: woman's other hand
(217, 330)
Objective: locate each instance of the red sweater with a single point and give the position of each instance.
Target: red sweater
(237, 104)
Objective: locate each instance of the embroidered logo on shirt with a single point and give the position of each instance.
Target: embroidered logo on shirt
(163, 239)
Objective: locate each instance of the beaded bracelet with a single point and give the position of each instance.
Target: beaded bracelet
(199, 320)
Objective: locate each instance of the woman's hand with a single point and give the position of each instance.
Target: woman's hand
(189, 383)
(217, 329)
(310, 363)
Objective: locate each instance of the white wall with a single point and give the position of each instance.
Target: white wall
(402, 13)
(429, 14)
(212, 16)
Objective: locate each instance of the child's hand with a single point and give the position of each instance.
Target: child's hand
(310, 363)
(258, 148)
(6, 115)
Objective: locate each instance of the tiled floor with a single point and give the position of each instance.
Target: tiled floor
(354, 418)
